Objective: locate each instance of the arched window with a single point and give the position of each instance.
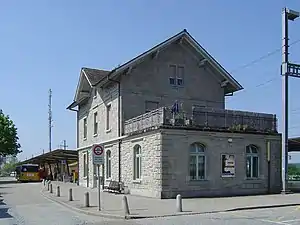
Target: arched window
(108, 164)
(197, 162)
(252, 161)
(137, 164)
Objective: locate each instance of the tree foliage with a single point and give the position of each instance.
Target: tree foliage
(293, 170)
(9, 140)
(8, 168)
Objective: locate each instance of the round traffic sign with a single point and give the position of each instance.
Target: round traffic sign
(98, 150)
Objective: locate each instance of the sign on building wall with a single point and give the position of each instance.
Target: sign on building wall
(228, 165)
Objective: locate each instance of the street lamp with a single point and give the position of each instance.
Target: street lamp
(287, 69)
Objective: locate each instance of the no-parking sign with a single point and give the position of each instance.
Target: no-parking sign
(98, 154)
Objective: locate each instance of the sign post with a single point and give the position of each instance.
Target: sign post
(98, 159)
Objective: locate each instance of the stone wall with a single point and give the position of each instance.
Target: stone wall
(175, 164)
(150, 182)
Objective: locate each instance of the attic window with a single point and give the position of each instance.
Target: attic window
(176, 75)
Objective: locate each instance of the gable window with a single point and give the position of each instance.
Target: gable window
(85, 128)
(176, 75)
(137, 164)
(108, 164)
(252, 161)
(108, 110)
(197, 162)
(95, 123)
(150, 105)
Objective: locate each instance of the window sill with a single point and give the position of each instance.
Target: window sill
(136, 181)
(84, 178)
(108, 130)
(108, 179)
(84, 139)
(95, 135)
(200, 180)
(253, 178)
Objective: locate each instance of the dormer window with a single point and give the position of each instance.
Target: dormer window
(94, 92)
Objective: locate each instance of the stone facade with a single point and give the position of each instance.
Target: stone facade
(165, 152)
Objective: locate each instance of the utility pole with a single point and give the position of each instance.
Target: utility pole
(50, 119)
(64, 145)
(287, 69)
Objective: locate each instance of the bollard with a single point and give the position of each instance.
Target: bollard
(70, 195)
(58, 191)
(178, 203)
(86, 199)
(51, 188)
(125, 205)
(48, 186)
(44, 182)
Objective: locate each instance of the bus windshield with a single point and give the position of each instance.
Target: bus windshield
(30, 168)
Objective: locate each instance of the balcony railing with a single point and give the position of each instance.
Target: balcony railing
(206, 119)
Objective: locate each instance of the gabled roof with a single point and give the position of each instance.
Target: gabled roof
(183, 34)
(96, 76)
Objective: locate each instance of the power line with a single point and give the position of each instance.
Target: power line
(261, 58)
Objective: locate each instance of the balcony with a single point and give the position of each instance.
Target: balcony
(204, 119)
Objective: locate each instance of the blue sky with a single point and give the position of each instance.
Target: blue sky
(45, 43)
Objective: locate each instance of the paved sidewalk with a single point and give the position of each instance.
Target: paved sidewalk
(143, 207)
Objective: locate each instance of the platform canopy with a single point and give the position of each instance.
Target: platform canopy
(294, 144)
(55, 156)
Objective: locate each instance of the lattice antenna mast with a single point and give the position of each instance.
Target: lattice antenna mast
(50, 119)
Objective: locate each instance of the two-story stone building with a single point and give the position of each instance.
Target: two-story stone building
(197, 149)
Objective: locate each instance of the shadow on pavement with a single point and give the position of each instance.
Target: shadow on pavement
(4, 210)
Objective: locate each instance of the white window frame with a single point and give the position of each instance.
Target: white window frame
(175, 77)
(197, 154)
(95, 123)
(137, 162)
(108, 119)
(85, 126)
(108, 164)
(252, 155)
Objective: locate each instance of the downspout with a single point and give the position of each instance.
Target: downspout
(77, 141)
(119, 124)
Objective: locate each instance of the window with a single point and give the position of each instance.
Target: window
(149, 106)
(85, 128)
(137, 170)
(108, 164)
(108, 109)
(177, 75)
(197, 162)
(95, 123)
(252, 164)
(85, 165)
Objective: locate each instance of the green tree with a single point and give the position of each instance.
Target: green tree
(9, 144)
(8, 168)
(293, 170)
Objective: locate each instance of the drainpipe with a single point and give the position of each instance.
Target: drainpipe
(119, 123)
(77, 134)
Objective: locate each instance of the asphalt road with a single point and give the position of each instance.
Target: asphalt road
(22, 204)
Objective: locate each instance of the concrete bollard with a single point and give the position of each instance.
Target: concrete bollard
(44, 182)
(125, 205)
(58, 191)
(70, 194)
(86, 199)
(178, 203)
(48, 186)
(51, 188)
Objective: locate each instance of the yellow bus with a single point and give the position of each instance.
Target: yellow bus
(27, 173)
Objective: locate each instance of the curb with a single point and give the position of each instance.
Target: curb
(8, 182)
(73, 208)
(110, 216)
